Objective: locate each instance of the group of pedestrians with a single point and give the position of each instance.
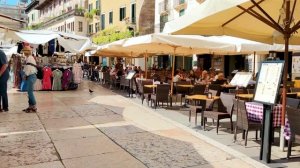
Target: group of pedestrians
(30, 70)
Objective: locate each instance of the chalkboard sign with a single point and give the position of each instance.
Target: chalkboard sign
(268, 82)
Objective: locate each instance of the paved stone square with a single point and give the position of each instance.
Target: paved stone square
(76, 129)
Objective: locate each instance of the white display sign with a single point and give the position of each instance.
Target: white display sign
(241, 79)
(268, 82)
(130, 75)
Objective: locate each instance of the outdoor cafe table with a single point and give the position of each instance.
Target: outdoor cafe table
(203, 99)
(150, 86)
(186, 86)
(255, 113)
(245, 96)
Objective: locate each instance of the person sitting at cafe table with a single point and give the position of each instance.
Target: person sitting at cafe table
(177, 76)
(221, 79)
(204, 80)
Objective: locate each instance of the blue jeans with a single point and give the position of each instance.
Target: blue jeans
(30, 87)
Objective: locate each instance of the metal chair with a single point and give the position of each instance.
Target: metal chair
(199, 89)
(225, 109)
(242, 121)
(294, 103)
(293, 116)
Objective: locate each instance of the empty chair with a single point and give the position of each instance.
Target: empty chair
(199, 89)
(242, 121)
(161, 95)
(215, 87)
(295, 89)
(293, 116)
(182, 91)
(145, 91)
(294, 103)
(225, 109)
(250, 91)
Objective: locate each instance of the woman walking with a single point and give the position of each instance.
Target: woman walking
(4, 75)
(30, 71)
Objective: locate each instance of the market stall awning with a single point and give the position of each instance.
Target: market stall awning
(70, 42)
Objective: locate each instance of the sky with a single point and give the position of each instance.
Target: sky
(11, 2)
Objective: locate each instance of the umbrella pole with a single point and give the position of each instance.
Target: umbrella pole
(284, 91)
(146, 69)
(173, 69)
(254, 64)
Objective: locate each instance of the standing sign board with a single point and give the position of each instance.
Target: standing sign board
(268, 82)
(267, 88)
(129, 78)
(241, 79)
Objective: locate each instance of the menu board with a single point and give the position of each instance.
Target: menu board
(130, 75)
(241, 79)
(268, 82)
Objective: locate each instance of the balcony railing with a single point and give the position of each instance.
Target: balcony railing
(74, 12)
(164, 7)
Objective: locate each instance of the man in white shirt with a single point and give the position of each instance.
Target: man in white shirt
(30, 71)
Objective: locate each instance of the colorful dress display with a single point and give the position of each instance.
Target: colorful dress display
(38, 85)
(67, 76)
(57, 75)
(77, 73)
(47, 73)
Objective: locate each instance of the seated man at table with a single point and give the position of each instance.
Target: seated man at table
(221, 80)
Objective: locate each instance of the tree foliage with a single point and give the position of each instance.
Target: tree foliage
(110, 35)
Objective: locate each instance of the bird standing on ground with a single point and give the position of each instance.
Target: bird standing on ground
(91, 91)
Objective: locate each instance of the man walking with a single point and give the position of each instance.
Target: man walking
(4, 75)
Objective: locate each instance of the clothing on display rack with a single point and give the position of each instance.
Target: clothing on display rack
(67, 77)
(17, 67)
(51, 48)
(47, 73)
(38, 85)
(77, 73)
(57, 75)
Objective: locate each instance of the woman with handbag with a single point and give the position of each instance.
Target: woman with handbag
(30, 70)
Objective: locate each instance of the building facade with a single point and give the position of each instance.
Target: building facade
(60, 15)
(17, 12)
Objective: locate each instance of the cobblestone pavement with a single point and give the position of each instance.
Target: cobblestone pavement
(76, 129)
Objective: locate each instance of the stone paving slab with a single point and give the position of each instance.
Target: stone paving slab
(75, 132)
(104, 119)
(10, 139)
(26, 154)
(64, 123)
(4, 117)
(108, 160)
(57, 113)
(55, 164)
(91, 110)
(20, 126)
(73, 148)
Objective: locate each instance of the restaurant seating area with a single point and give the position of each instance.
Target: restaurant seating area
(226, 103)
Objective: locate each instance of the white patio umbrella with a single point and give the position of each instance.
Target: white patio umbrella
(175, 45)
(268, 21)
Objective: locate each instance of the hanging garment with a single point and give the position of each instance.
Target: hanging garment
(67, 76)
(47, 73)
(40, 49)
(17, 68)
(51, 48)
(38, 85)
(57, 75)
(77, 73)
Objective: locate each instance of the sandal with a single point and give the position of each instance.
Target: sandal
(31, 110)
(26, 109)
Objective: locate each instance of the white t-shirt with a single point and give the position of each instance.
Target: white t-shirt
(176, 78)
(29, 69)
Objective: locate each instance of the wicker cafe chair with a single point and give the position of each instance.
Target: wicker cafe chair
(215, 87)
(225, 109)
(293, 116)
(295, 89)
(294, 103)
(182, 91)
(242, 121)
(146, 92)
(161, 95)
(199, 89)
(196, 108)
